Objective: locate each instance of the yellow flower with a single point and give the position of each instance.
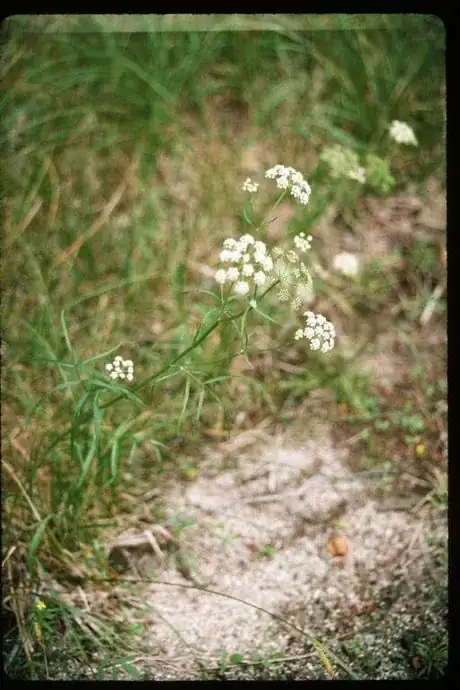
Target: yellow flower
(41, 605)
(420, 449)
(87, 553)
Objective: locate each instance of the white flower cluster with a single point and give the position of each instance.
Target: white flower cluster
(343, 162)
(287, 177)
(318, 331)
(248, 260)
(294, 276)
(302, 242)
(346, 263)
(402, 133)
(250, 186)
(121, 368)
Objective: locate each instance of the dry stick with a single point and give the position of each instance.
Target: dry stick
(103, 217)
(23, 491)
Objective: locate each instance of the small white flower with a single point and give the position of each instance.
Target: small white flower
(247, 270)
(402, 133)
(259, 258)
(260, 247)
(226, 255)
(220, 276)
(302, 242)
(253, 304)
(288, 177)
(120, 368)
(250, 186)
(318, 331)
(346, 263)
(267, 264)
(259, 278)
(241, 288)
(233, 273)
(230, 243)
(246, 240)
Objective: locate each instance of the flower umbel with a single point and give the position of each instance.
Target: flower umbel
(121, 369)
(402, 133)
(250, 186)
(40, 605)
(248, 262)
(289, 178)
(318, 331)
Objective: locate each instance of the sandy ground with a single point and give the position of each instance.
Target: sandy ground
(284, 525)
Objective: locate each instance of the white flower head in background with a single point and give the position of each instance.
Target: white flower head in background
(289, 178)
(121, 369)
(347, 264)
(343, 162)
(318, 331)
(359, 175)
(402, 133)
(250, 186)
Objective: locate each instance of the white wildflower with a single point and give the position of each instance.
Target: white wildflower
(246, 240)
(253, 304)
(302, 242)
(250, 263)
(233, 273)
(260, 247)
(230, 243)
(247, 270)
(402, 133)
(346, 263)
(318, 331)
(250, 186)
(226, 255)
(242, 287)
(121, 368)
(259, 258)
(259, 278)
(289, 178)
(220, 276)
